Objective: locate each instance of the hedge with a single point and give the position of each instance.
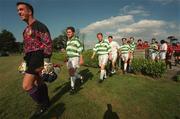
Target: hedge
(61, 56)
(148, 67)
(88, 61)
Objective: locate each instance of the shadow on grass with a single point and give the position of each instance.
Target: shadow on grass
(109, 114)
(176, 76)
(87, 75)
(55, 112)
(63, 89)
(176, 117)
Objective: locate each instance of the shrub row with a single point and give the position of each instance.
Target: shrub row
(61, 56)
(88, 61)
(148, 67)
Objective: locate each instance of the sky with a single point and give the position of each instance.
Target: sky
(142, 19)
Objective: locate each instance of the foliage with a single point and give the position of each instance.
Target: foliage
(7, 41)
(87, 59)
(137, 65)
(60, 56)
(149, 67)
(60, 42)
(177, 77)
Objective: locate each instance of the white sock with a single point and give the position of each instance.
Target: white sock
(102, 74)
(73, 79)
(105, 76)
(125, 66)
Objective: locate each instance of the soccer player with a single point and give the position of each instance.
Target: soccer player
(124, 53)
(114, 51)
(131, 53)
(37, 46)
(73, 50)
(103, 50)
(153, 50)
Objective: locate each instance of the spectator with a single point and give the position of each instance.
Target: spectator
(163, 50)
(145, 44)
(139, 44)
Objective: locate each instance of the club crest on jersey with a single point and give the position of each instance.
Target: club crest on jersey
(29, 31)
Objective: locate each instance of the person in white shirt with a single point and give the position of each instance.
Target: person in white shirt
(114, 52)
(163, 50)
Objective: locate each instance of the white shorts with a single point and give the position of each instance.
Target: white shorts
(162, 55)
(125, 57)
(73, 62)
(103, 59)
(131, 55)
(114, 57)
(154, 56)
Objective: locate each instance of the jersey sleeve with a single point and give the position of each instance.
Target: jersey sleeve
(45, 39)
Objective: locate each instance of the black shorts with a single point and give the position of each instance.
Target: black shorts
(34, 60)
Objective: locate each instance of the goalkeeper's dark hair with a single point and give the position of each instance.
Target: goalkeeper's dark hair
(30, 7)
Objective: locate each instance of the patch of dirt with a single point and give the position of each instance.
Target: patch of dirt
(172, 73)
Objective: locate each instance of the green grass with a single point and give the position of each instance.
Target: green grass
(131, 96)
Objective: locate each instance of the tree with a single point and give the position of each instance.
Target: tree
(81, 36)
(7, 41)
(18, 47)
(60, 41)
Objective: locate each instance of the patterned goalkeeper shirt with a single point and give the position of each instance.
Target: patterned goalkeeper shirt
(37, 37)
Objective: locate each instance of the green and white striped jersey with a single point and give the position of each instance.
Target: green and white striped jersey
(74, 47)
(102, 48)
(132, 46)
(125, 49)
(153, 48)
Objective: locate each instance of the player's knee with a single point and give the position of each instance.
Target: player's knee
(26, 86)
(71, 71)
(102, 67)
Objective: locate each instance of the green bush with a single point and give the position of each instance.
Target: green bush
(137, 65)
(87, 59)
(178, 77)
(149, 67)
(61, 56)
